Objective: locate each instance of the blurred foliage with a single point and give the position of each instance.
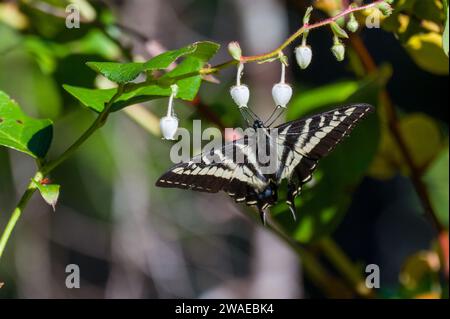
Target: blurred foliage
(127, 72)
(423, 138)
(419, 276)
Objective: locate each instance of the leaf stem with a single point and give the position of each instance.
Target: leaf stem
(98, 123)
(50, 166)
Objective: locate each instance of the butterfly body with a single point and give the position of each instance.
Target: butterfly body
(251, 169)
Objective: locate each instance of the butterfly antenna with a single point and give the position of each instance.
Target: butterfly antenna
(276, 114)
(272, 115)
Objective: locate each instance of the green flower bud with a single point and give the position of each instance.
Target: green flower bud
(385, 8)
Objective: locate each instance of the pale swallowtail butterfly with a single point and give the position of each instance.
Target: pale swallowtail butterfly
(300, 145)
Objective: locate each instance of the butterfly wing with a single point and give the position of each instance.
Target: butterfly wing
(219, 169)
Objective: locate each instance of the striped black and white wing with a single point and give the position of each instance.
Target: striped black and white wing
(218, 170)
(303, 142)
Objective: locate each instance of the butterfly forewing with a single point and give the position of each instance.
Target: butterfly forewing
(308, 140)
(232, 168)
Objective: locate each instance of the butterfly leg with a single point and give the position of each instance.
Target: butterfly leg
(290, 200)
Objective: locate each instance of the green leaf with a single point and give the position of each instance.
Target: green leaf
(49, 192)
(127, 72)
(426, 50)
(437, 181)
(205, 50)
(188, 87)
(429, 10)
(95, 99)
(423, 139)
(419, 275)
(43, 96)
(117, 72)
(23, 133)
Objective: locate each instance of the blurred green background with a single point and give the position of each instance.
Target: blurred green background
(133, 240)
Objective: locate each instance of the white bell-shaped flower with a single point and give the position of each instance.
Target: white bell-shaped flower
(303, 55)
(169, 127)
(282, 94)
(240, 95)
(169, 123)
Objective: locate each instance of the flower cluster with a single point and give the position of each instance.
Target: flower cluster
(303, 53)
(281, 91)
